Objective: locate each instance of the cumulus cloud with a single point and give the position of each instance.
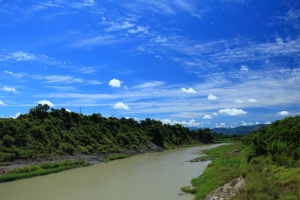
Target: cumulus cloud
(114, 83)
(221, 125)
(238, 101)
(191, 123)
(207, 117)
(232, 111)
(283, 113)
(244, 68)
(246, 124)
(190, 90)
(121, 105)
(169, 121)
(216, 114)
(267, 123)
(45, 102)
(9, 89)
(212, 97)
(252, 100)
(68, 110)
(257, 123)
(1, 103)
(16, 115)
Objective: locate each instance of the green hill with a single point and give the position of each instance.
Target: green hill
(48, 132)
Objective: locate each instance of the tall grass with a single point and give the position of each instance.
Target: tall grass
(264, 179)
(40, 169)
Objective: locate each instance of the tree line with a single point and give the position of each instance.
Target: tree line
(280, 142)
(46, 131)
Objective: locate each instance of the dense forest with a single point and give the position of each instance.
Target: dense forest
(45, 131)
(280, 141)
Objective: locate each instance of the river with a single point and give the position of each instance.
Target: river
(154, 176)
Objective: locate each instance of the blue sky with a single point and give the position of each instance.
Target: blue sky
(221, 63)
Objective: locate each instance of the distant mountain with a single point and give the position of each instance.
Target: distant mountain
(236, 130)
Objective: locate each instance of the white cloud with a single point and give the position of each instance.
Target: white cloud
(116, 26)
(221, 125)
(96, 41)
(190, 90)
(1, 103)
(21, 56)
(121, 105)
(114, 83)
(283, 113)
(9, 89)
(212, 97)
(125, 88)
(139, 30)
(207, 117)
(246, 124)
(257, 123)
(216, 114)
(95, 82)
(68, 110)
(58, 78)
(252, 100)
(267, 123)
(45, 102)
(8, 72)
(16, 115)
(238, 101)
(232, 111)
(150, 84)
(169, 121)
(191, 123)
(244, 68)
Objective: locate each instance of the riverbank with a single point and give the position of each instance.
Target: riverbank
(19, 169)
(230, 175)
(92, 159)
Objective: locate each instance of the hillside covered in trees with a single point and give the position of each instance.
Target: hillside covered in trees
(265, 165)
(48, 132)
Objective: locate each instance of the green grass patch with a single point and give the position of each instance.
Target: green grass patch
(264, 178)
(41, 169)
(116, 157)
(224, 168)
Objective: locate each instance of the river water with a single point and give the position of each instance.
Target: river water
(154, 176)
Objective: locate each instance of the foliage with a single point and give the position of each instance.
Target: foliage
(268, 159)
(46, 132)
(280, 141)
(40, 169)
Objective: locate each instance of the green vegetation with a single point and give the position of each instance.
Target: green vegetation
(47, 132)
(116, 156)
(267, 158)
(40, 169)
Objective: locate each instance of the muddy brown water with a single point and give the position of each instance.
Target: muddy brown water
(151, 176)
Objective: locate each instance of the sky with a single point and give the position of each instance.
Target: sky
(220, 63)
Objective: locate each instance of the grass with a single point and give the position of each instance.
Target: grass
(116, 157)
(264, 179)
(40, 169)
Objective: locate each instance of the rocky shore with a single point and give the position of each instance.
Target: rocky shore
(228, 190)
